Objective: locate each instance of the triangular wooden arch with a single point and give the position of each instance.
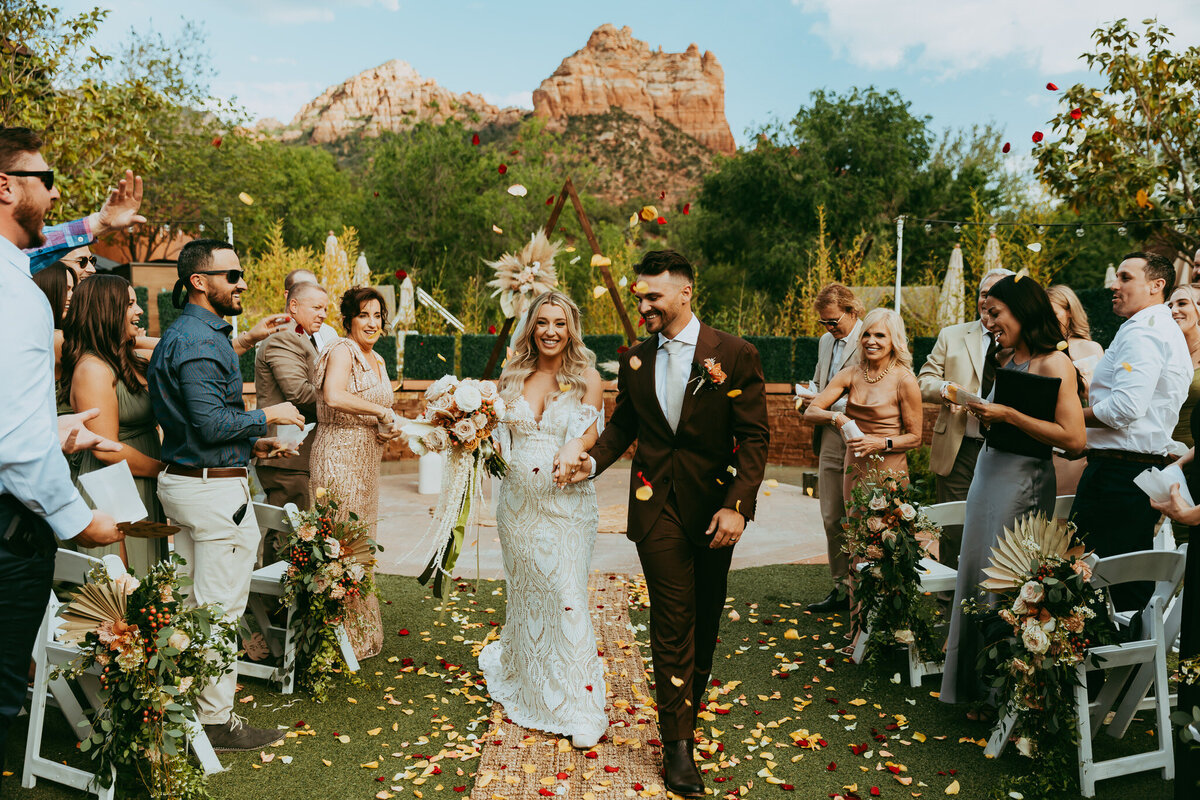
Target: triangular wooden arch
(568, 191)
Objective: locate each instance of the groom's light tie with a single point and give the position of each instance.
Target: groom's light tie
(675, 382)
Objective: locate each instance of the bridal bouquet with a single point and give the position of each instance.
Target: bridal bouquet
(459, 419)
(329, 564)
(887, 534)
(1049, 615)
(154, 655)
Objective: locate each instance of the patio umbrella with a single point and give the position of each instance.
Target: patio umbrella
(362, 272)
(406, 311)
(991, 255)
(950, 301)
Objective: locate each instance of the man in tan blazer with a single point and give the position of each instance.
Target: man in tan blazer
(958, 357)
(283, 371)
(840, 313)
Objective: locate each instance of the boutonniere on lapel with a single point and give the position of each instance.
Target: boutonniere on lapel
(711, 375)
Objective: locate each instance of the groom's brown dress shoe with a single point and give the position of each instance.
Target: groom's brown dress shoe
(679, 769)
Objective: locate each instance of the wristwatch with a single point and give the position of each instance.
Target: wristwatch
(889, 444)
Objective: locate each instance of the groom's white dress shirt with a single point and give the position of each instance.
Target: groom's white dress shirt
(1140, 384)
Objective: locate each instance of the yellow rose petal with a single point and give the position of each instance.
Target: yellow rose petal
(370, 765)
(374, 731)
(644, 493)
(734, 616)
(440, 356)
(791, 633)
(952, 788)
(600, 261)
(245, 198)
(1127, 366)
(641, 287)
(564, 387)
(648, 213)
(634, 220)
(344, 739)
(635, 363)
(497, 229)
(676, 680)
(733, 393)
(1061, 345)
(598, 292)
(327, 762)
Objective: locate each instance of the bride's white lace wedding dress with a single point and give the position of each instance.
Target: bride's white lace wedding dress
(544, 668)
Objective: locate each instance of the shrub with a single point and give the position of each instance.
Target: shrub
(476, 349)
(386, 347)
(921, 347)
(1098, 305)
(804, 357)
(421, 353)
(775, 352)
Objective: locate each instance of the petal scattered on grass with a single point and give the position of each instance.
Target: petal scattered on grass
(517, 190)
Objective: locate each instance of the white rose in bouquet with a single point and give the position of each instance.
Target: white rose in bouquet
(179, 640)
(464, 429)
(1019, 607)
(1035, 640)
(356, 571)
(127, 584)
(1032, 592)
(907, 512)
(468, 398)
(878, 503)
(487, 389)
(875, 524)
(500, 407)
(333, 548)
(337, 592)
(436, 440)
(888, 537)
(440, 408)
(440, 387)
(480, 421)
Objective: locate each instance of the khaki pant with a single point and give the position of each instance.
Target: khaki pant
(832, 470)
(220, 559)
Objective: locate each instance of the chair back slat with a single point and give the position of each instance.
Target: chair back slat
(272, 518)
(1164, 567)
(944, 514)
(1062, 506)
(73, 568)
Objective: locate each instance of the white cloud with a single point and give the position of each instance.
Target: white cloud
(954, 36)
(522, 99)
(290, 12)
(278, 99)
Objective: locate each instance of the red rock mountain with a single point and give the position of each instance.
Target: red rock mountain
(616, 70)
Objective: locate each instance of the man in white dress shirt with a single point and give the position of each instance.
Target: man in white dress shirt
(1133, 405)
(39, 506)
(840, 312)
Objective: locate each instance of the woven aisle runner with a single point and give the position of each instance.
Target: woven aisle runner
(517, 763)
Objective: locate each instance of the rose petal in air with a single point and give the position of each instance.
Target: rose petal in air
(1037, 136)
(1051, 87)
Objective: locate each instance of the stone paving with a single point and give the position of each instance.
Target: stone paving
(787, 530)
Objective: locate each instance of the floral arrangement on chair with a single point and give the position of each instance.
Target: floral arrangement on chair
(155, 654)
(329, 564)
(1048, 616)
(459, 418)
(887, 535)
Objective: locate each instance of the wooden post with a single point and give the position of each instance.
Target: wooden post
(568, 191)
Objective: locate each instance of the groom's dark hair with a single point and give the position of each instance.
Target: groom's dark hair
(657, 262)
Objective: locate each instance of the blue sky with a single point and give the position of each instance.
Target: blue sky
(961, 62)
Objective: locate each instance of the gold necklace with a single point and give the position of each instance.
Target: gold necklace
(879, 377)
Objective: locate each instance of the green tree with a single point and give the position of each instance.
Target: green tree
(1129, 148)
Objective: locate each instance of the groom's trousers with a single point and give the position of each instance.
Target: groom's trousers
(687, 582)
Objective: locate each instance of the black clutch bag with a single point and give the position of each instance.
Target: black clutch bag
(1034, 396)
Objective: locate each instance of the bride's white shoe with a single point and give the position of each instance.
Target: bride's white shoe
(581, 742)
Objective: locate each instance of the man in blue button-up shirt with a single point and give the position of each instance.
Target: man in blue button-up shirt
(208, 439)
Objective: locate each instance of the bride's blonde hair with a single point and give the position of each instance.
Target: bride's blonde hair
(577, 359)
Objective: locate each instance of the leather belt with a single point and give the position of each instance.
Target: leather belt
(1150, 459)
(207, 472)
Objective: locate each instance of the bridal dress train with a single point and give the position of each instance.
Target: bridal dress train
(544, 668)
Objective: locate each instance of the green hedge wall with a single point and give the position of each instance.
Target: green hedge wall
(804, 358)
(775, 353)
(1098, 305)
(476, 349)
(246, 362)
(386, 347)
(143, 300)
(421, 360)
(605, 346)
(921, 347)
(167, 313)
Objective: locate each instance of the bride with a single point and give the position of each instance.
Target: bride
(544, 669)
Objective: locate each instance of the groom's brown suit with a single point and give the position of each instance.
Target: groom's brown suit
(714, 459)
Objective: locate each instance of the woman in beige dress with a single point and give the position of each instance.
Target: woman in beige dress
(882, 397)
(1085, 354)
(355, 397)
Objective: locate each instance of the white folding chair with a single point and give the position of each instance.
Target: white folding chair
(48, 653)
(266, 587)
(934, 577)
(1062, 506)
(1118, 661)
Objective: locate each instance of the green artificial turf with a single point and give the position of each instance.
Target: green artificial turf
(443, 712)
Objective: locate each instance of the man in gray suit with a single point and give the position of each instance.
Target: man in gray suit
(283, 372)
(839, 312)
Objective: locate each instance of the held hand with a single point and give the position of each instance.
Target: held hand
(566, 462)
(74, 436)
(120, 209)
(583, 469)
(728, 526)
(1175, 508)
(272, 324)
(284, 414)
(101, 530)
(270, 447)
(863, 446)
(987, 413)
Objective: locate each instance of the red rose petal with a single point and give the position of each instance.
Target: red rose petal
(591, 754)
(401, 274)
(503, 168)
(654, 742)
(544, 792)
(874, 791)
(1037, 136)
(588, 687)
(1006, 148)
(301, 724)
(787, 787)
(622, 349)
(1076, 113)
(460, 789)
(216, 142)
(562, 776)
(610, 768)
(641, 322)
(377, 194)
(832, 766)
(379, 778)
(687, 207)
(1052, 87)
(404, 631)
(637, 787)
(475, 139)
(513, 152)
(550, 200)
(661, 220)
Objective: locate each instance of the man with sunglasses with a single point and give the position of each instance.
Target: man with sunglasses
(39, 505)
(60, 242)
(839, 312)
(209, 437)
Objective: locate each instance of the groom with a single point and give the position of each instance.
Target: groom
(693, 399)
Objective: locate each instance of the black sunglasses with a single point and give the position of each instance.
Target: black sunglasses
(231, 275)
(83, 262)
(46, 176)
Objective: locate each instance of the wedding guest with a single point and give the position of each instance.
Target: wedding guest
(839, 312)
(103, 369)
(1133, 405)
(882, 398)
(354, 407)
(57, 282)
(284, 368)
(1014, 474)
(327, 334)
(1186, 313)
(1085, 354)
(1194, 274)
(39, 507)
(81, 261)
(958, 357)
(120, 210)
(195, 386)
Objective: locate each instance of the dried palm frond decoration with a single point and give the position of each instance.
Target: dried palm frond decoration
(93, 607)
(1033, 540)
(524, 275)
(359, 547)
